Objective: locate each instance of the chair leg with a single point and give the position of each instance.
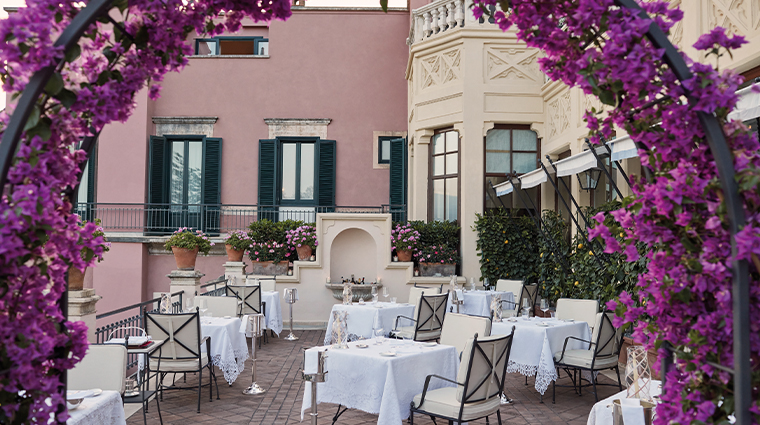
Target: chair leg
(593, 382)
(200, 381)
(526, 380)
(211, 383)
(498, 416)
(554, 391)
(620, 384)
(487, 422)
(216, 382)
(411, 418)
(158, 407)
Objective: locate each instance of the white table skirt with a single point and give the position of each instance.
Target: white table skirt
(103, 409)
(274, 310)
(533, 347)
(229, 349)
(601, 413)
(478, 303)
(362, 317)
(362, 379)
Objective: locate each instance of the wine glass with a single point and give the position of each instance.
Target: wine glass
(188, 305)
(379, 336)
(544, 305)
(203, 306)
(385, 293)
(373, 291)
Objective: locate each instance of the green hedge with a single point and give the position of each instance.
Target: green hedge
(437, 233)
(265, 230)
(507, 246)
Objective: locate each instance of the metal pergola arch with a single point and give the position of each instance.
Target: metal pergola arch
(713, 133)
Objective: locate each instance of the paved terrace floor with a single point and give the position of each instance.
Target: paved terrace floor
(278, 371)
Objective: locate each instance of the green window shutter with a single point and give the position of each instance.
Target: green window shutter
(158, 175)
(211, 188)
(326, 176)
(268, 166)
(91, 166)
(398, 176)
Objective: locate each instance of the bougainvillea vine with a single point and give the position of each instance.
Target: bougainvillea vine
(94, 84)
(679, 216)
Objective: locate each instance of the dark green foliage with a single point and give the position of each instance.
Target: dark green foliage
(437, 233)
(265, 230)
(507, 246)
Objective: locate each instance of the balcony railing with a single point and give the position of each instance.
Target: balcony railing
(163, 219)
(440, 16)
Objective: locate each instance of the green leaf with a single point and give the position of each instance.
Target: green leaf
(42, 129)
(607, 97)
(66, 97)
(54, 84)
(104, 77)
(384, 5)
(73, 53)
(34, 118)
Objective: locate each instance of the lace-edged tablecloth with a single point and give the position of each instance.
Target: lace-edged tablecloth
(361, 318)
(274, 310)
(229, 349)
(363, 379)
(103, 409)
(478, 303)
(534, 346)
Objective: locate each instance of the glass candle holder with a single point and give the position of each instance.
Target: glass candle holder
(638, 376)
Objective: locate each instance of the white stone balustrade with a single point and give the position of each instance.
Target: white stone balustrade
(440, 16)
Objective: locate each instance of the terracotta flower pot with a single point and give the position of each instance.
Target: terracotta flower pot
(234, 255)
(304, 252)
(76, 279)
(185, 258)
(404, 254)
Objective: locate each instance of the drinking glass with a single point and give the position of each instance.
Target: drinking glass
(385, 293)
(379, 336)
(188, 305)
(373, 291)
(393, 300)
(544, 305)
(203, 306)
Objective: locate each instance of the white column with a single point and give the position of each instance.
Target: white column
(82, 309)
(434, 21)
(442, 18)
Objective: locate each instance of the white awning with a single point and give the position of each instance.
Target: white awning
(533, 179)
(578, 163)
(504, 188)
(748, 105)
(623, 148)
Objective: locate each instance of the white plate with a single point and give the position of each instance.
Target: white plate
(74, 404)
(75, 395)
(388, 354)
(228, 317)
(543, 325)
(568, 320)
(429, 344)
(512, 319)
(96, 392)
(362, 346)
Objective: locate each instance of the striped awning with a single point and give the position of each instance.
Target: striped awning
(623, 148)
(578, 163)
(748, 105)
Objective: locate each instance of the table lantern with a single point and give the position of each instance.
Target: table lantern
(496, 307)
(638, 377)
(256, 328)
(347, 294)
(339, 330)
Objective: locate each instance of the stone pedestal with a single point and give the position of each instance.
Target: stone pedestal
(187, 281)
(82, 309)
(235, 269)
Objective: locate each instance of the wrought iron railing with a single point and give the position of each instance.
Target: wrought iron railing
(215, 288)
(163, 219)
(135, 320)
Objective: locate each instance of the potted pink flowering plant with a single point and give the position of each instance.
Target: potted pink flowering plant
(235, 244)
(303, 239)
(269, 258)
(404, 240)
(186, 244)
(437, 260)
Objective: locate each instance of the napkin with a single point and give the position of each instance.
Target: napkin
(460, 294)
(633, 413)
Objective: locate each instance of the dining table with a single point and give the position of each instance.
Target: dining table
(273, 312)
(105, 408)
(381, 378)
(535, 341)
(229, 349)
(361, 318)
(478, 302)
(601, 413)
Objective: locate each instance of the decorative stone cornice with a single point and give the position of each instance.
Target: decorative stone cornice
(303, 127)
(185, 120)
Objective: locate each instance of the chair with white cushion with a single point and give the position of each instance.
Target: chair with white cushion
(219, 306)
(510, 309)
(459, 328)
(181, 351)
(104, 366)
(268, 285)
(580, 310)
(415, 292)
(431, 312)
(602, 354)
(479, 384)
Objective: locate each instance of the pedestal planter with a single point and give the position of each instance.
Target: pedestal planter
(76, 279)
(304, 252)
(404, 255)
(234, 255)
(357, 291)
(269, 268)
(436, 269)
(185, 257)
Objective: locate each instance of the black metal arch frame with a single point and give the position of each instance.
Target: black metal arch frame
(713, 133)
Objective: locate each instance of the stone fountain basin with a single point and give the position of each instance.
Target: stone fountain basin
(357, 291)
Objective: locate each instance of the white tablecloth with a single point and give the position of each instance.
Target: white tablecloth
(601, 413)
(274, 310)
(478, 303)
(533, 346)
(362, 317)
(103, 409)
(229, 349)
(363, 379)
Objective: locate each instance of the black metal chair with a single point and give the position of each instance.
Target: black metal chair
(479, 384)
(431, 311)
(249, 297)
(181, 352)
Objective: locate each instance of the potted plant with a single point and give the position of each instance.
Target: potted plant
(303, 239)
(76, 276)
(186, 244)
(437, 260)
(404, 240)
(269, 258)
(235, 244)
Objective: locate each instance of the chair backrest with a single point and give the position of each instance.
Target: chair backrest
(528, 292)
(250, 295)
(219, 306)
(459, 328)
(513, 286)
(268, 285)
(582, 310)
(104, 366)
(431, 313)
(415, 292)
(605, 337)
(483, 369)
(182, 333)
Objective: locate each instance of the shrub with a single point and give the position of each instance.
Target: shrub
(265, 230)
(507, 246)
(184, 237)
(269, 251)
(404, 237)
(238, 239)
(437, 233)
